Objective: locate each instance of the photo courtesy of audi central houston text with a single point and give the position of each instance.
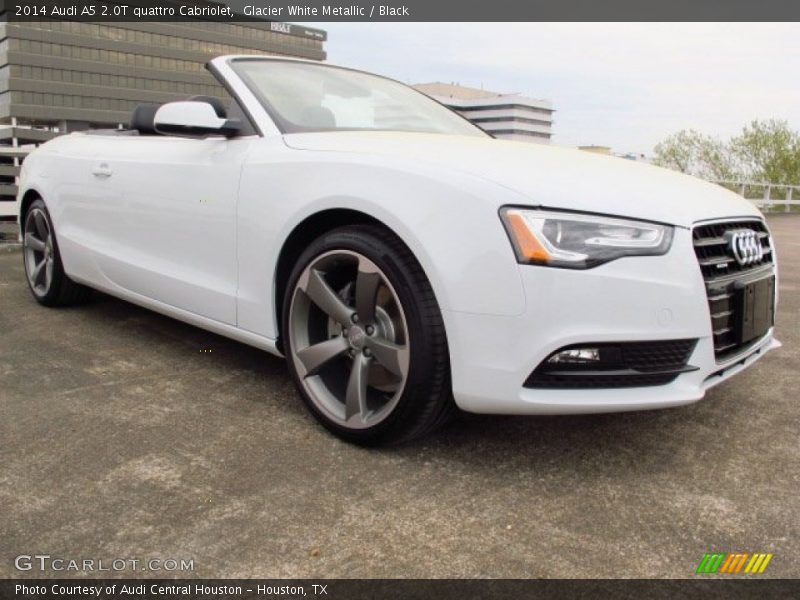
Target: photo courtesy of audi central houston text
(406, 263)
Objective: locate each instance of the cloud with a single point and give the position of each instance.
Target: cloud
(626, 85)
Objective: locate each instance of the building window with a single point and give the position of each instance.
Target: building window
(544, 111)
(477, 120)
(521, 132)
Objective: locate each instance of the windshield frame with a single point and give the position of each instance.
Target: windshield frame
(281, 123)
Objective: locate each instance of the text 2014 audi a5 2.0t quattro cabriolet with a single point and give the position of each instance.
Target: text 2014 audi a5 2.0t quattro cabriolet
(402, 260)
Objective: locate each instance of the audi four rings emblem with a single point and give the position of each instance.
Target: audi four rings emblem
(746, 246)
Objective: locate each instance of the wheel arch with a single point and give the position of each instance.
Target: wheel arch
(25, 202)
(305, 232)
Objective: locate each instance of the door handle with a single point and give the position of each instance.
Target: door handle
(102, 170)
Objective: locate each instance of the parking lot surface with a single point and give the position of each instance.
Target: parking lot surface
(125, 434)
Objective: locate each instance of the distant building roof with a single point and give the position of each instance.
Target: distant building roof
(462, 94)
(596, 149)
(452, 90)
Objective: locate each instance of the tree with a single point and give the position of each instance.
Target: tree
(768, 151)
(694, 153)
(765, 152)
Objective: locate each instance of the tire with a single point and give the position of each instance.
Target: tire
(44, 270)
(364, 338)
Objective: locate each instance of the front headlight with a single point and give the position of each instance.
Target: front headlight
(580, 241)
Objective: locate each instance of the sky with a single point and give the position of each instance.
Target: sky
(624, 85)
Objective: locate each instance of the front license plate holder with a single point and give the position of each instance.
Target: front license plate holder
(756, 309)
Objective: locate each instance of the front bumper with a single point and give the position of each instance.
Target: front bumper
(627, 300)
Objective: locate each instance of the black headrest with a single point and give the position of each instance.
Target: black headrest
(217, 104)
(143, 117)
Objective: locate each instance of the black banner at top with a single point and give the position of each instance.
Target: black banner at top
(401, 10)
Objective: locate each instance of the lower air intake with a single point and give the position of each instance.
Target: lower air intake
(614, 365)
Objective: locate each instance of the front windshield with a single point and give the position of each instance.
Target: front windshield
(303, 97)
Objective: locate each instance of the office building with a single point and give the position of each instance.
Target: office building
(62, 76)
(506, 116)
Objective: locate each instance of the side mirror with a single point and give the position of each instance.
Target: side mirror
(193, 119)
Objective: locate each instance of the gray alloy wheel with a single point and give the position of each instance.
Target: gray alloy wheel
(44, 271)
(39, 252)
(349, 339)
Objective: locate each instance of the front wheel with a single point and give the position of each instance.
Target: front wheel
(364, 338)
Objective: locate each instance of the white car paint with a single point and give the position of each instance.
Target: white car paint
(549, 176)
(193, 229)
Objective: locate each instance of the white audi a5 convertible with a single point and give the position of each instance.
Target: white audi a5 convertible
(402, 260)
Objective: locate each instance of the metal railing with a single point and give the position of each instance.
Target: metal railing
(10, 160)
(766, 196)
(16, 142)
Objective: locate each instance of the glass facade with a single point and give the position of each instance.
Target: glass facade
(116, 82)
(514, 119)
(509, 106)
(76, 75)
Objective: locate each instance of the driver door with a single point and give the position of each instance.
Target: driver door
(175, 236)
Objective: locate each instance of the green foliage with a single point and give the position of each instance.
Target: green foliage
(765, 151)
(768, 151)
(692, 152)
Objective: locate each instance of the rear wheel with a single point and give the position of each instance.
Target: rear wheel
(364, 338)
(43, 267)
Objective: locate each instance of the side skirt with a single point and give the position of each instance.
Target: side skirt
(223, 329)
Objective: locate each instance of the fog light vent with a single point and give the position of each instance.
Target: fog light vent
(614, 365)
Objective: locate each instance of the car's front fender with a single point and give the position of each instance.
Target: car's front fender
(448, 220)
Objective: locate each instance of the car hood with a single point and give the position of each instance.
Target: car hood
(549, 176)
